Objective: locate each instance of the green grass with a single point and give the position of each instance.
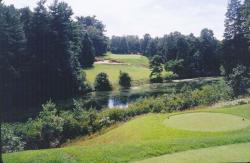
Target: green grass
(135, 65)
(212, 122)
(138, 60)
(137, 73)
(226, 153)
(141, 138)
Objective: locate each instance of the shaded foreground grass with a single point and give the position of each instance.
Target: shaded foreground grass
(141, 138)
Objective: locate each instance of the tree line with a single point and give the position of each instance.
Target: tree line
(199, 56)
(191, 56)
(43, 50)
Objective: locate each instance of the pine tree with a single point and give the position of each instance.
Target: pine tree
(12, 45)
(233, 22)
(235, 44)
(66, 49)
(87, 54)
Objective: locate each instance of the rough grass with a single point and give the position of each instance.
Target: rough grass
(226, 153)
(141, 138)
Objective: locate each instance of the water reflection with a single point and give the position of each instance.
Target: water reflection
(121, 98)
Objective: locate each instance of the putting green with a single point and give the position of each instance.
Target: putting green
(207, 122)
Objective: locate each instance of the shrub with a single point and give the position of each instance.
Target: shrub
(102, 82)
(52, 125)
(30, 133)
(156, 79)
(156, 69)
(124, 80)
(114, 114)
(239, 80)
(10, 141)
(175, 66)
(210, 94)
(171, 76)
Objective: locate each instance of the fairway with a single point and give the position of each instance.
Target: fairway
(227, 153)
(132, 59)
(136, 66)
(207, 122)
(137, 73)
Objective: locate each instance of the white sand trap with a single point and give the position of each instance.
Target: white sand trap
(207, 122)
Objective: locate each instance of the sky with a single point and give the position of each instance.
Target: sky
(156, 17)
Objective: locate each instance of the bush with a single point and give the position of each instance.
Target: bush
(175, 66)
(156, 79)
(210, 94)
(114, 114)
(10, 141)
(102, 82)
(171, 76)
(156, 69)
(124, 80)
(52, 125)
(239, 80)
(31, 133)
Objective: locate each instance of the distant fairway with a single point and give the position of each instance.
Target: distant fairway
(137, 73)
(208, 122)
(132, 59)
(135, 65)
(226, 153)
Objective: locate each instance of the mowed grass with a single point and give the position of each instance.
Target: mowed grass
(141, 138)
(226, 153)
(212, 122)
(131, 59)
(135, 65)
(137, 73)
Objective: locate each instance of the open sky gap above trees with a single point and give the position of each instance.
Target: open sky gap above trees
(45, 49)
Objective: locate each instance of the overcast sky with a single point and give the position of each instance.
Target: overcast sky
(157, 17)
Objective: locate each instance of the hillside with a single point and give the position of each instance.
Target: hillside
(149, 136)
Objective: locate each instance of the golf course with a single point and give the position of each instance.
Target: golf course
(111, 81)
(137, 66)
(221, 134)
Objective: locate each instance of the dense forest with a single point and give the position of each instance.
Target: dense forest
(43, 50)
(200, 56)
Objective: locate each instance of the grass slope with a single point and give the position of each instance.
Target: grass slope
(135, 65)
(226, 153)
(141, 138)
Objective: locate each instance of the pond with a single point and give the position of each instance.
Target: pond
(113, 99)
(122, 98)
